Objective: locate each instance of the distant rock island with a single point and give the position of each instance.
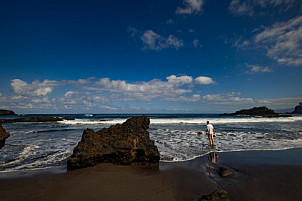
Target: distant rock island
(3, 136)
(121, 144)
(256, 111)
(298, 109)
(6, 112)
(35, 119)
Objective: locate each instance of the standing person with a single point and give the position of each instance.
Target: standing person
(211, 132)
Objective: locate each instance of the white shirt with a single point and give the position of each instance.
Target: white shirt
(210, 129)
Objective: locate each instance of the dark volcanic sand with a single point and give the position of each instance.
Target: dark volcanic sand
(259, 175)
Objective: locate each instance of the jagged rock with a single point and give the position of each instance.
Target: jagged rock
(298, 109)
(256, 111)
(6, 112)
(225, 172)
(122, 144)
(218, 195)
(3, 136)
(35, 119)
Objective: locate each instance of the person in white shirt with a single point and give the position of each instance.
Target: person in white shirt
(211, 132)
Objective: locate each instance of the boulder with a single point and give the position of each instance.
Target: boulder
(225, 172)
(256, 111)
(3, 136)
(218, 195)
(121, 144)
(6, 112)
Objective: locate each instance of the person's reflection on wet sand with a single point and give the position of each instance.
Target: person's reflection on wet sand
(213, 159)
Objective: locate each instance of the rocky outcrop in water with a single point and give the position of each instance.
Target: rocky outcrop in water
(218, 195)
(298, 109)
(6, 112)
(35, 119)
(3, 136)
(256, 111)
(122, 144)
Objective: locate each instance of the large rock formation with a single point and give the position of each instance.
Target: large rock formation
(298, 109)
(6, 112)
(124, 144)
(35, 119)
(257, 111)
(3, 136)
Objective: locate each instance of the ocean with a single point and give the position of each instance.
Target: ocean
(36, 146)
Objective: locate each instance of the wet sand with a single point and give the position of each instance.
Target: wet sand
(110, 182)
(263, 175)
(260, 175)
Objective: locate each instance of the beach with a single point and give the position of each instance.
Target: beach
(269, 175)
(264, 156)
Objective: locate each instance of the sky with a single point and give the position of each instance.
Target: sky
(151, 56)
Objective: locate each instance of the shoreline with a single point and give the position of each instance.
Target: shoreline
(267, 175)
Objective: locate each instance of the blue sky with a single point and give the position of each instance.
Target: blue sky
(151, 56)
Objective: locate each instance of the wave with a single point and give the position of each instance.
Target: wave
(27, 151)
(87, 121)
(53, 130)
(188, 120)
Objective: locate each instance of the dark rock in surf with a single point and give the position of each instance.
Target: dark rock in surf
(6, 112)
(121, 144)
(218, 195)
(35, 119)
(256, 111)
(3, 136)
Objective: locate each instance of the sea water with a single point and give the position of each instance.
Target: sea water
(179, 137)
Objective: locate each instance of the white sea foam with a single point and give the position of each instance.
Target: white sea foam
(187, 120)
(181, 145)
(27, 151)
(92, 121)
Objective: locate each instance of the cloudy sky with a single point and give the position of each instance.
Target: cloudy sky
(151, 56)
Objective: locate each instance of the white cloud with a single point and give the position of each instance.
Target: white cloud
(146, 90)
(191, 6)
(154, 41)
(228, 99)
(249, 7)
(41, 100)
(257, 69)
(178, 81)
(85, 94)
(36, 88)
(196, 43)
(133, 31)
(174, 86)
(238, 8)
(75, 94)
(283, 41)
(193, 98)
(2, 98)
(80, 81)
(204, 80)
